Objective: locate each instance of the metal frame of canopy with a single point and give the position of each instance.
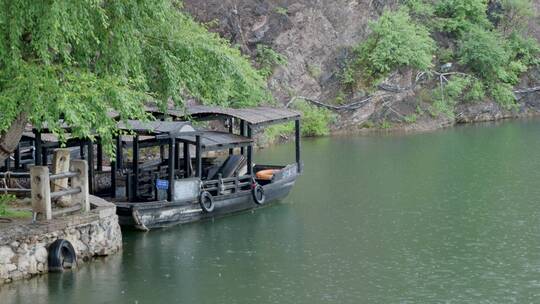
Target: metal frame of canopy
(161, 133)
(250, 119)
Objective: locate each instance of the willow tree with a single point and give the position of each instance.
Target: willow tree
(75, 61)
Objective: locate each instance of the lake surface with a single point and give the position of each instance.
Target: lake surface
(447, 217)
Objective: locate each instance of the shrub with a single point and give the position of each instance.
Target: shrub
(476, 92)
(268, 60)
(515, 15)
(272, 133)
(483, 52)
(420, 8)
(502, 93)
(524, 49)
(315, 120)
(411, 118)
(395, 42)
(459, 16)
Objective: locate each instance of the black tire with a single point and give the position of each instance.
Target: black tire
(206, 201)
(258, 194)
(62, 256)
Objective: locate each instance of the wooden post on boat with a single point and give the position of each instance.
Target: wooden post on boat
(135, 166)
(18, 156)
(231, 131)
(198, 152)
(99, 155)
(81, 180)
(187, 160)
(37, 151)
(170, 169)
(61, 158)
(177, 155)
(298, 145)
(242, 133)
(41, 192)
(249, 152)
(119, 153)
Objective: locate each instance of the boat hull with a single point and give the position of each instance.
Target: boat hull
(152, 215)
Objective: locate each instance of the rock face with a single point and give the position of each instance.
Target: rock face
(317, 36)
(23, 246)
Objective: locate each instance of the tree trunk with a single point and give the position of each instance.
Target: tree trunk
(10, 139)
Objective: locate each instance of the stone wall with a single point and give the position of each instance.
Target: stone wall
(23, 245)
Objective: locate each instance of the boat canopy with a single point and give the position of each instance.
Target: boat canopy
(213, 140)
(256, 116)
(156, 128)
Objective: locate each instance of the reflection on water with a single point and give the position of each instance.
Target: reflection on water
(447, 217)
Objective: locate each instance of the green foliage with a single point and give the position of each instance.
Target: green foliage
(281, 10)
(5, 199)
(523, 49)
(268, 60)
(483, 52)
(446, 97)
(515, 15)
(422, 9)
(385, 124)
(476, 92)
(315, 120)
(498, 61)
(445, 55)
(455, 87)
(502, 93)
(458, 16)
(80, 60)
(395, 42)
(411, 118)
(272, 133)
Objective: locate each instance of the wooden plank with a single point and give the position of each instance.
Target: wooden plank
(41, 192)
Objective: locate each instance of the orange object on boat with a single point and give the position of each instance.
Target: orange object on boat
(266, 174)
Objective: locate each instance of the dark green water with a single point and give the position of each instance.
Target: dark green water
(446, 217)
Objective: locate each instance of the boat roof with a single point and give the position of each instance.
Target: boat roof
(253, 116)
(154, 128)
(215, 140)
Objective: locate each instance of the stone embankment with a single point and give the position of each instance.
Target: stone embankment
(24, 245)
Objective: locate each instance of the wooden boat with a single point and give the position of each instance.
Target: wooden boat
(170, 190)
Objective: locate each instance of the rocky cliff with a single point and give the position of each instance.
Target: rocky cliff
(317, 36)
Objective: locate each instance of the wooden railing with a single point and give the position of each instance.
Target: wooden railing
(223, 185)
(67, 185)
(77, 194)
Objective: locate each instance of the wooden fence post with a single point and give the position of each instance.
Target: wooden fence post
(81, 180)
(60, 164)
(41, 192)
